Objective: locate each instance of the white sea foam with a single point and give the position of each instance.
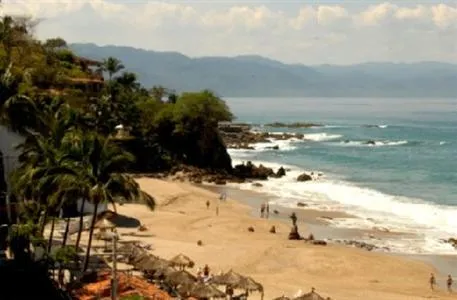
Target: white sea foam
(425, 223)
(374, 143)
(321, 136)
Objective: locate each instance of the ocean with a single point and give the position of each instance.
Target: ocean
(404, 180)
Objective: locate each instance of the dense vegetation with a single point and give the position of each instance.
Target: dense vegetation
(83, 133)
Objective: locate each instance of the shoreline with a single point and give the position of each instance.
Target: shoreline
(311, 222)
(282, 266)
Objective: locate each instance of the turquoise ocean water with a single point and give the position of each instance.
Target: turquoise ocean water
(404, 180)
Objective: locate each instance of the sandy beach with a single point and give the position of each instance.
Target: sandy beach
(283, 267)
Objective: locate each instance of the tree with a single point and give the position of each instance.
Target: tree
(55, 43)
(112, 66)
(99, 173)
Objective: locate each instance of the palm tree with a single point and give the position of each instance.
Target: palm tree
(112, 65)
(100, 181)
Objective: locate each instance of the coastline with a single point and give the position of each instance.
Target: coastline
(311, 222)
(282, 266)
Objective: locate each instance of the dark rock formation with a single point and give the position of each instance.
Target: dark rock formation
(304, 177)
(251, 229)
(249, 170)
(281, 172)
(452, 241)
(301, 204)
(273, 229)
(292, 125)
(257, 184)
(293, 234)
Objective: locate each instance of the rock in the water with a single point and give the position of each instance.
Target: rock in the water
(452, 241)
(276, 212)
(281, 172)
(257, 184)
(249, 170)
(304, 177)
(318, 242)
(301, 204)
(275, 147)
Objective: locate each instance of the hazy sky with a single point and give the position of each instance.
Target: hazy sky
(310, 32)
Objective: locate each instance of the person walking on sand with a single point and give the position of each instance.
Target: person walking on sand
(293, 217)
(267, 210)
(262, 210)
(217, 209)
(432, 281)
(449, 283)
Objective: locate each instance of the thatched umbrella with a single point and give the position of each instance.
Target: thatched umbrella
(311, 296)
(230, 278)
(180, 277)
(249, 284)
(159, 273)
(282, 298)
(206, 291)
(182, 261)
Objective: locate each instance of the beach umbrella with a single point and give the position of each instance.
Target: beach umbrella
(230, 278)
(282, 298)
(180, 277)
(249, 284)
(311, 296)
(182, 260)
(206, 291)
(160, 273)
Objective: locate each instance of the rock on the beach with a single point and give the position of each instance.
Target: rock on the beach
(304, 177)
(273, 229)
(281, 172)
(249, 170)
(251, 229)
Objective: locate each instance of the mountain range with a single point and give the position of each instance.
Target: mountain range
(256, 76)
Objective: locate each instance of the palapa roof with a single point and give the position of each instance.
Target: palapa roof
(201, 290)
(249, 284)
(182, 260)
(311, 296)
(180, 277)
(230, 278)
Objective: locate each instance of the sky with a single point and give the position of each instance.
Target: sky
(308, 32)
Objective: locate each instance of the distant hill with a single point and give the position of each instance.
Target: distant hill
(256, 76)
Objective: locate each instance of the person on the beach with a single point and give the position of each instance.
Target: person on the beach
(432, 281)
(206, 271)
(449, 283)
(293, 217)
(267, 209)
(217, 209)
(207, 204)
(262, 210)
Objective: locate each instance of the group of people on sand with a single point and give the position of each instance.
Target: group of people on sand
(265, 210)
(433, 283)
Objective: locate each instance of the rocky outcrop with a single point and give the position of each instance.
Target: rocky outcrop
(292, 125)
(238, 136)
(251, 171)
(304, 177)
(452, 242)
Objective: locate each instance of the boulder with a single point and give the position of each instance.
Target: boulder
(273, 229)
(293, 234)
(251, 229)
(304, 177)
(249, 170)
(281, 172)
(301, 204)
(275, 147)
(257, 184)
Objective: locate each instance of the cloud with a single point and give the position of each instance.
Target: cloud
(319, 33)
